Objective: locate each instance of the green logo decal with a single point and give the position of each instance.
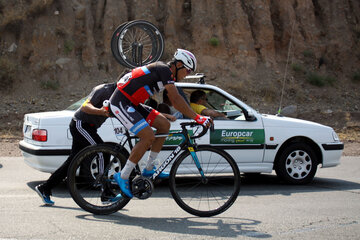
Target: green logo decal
(237, 136)
(175, 139)
(172, 139)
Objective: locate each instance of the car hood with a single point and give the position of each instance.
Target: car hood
(287, 122)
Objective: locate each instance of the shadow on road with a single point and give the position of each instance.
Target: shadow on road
(253, 185)
(212, 227)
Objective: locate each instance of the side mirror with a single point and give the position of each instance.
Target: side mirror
(250, 115)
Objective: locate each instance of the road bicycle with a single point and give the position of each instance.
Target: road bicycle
(204, 180)
(137, 43)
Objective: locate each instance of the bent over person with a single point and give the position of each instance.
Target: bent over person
(83, 127)
(127, 105)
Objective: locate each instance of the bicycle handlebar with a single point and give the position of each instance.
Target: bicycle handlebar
(193, 124)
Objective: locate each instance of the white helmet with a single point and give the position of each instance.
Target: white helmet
(187, 58)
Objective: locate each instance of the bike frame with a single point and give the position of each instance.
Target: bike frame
(186, 144)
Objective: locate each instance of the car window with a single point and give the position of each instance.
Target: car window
(220, 103)
(76, 105)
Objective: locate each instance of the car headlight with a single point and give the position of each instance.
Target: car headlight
(335, 136)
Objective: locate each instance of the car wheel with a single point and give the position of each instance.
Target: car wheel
(297, 164)
(90, 168)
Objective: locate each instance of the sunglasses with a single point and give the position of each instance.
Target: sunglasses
(188, 71)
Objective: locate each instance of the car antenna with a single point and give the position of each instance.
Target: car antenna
(287, 63)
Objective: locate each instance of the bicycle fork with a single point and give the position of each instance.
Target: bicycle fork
(197, 163)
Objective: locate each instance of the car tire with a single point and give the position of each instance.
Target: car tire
(90, 168)
(297, 164)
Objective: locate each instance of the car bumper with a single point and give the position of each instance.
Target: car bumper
(43, 159)
(332, 154)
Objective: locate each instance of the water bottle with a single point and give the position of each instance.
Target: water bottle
(106, 104)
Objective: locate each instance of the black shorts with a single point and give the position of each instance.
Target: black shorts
(134, 117)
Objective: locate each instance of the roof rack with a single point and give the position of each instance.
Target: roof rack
(200, 77)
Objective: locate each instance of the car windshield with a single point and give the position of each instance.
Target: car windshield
(75, 106)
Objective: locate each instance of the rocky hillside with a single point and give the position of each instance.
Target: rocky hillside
(54, 51)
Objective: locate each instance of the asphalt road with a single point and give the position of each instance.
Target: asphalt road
(328, 208)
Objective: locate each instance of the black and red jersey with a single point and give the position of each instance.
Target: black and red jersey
(145, 81)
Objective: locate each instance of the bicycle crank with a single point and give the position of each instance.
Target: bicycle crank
(142, 187)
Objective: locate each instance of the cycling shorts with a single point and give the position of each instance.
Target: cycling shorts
(134, 117)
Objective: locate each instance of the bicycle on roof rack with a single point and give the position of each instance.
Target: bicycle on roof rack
(204, 181)
(137, 43)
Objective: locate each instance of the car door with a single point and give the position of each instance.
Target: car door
(243, 138)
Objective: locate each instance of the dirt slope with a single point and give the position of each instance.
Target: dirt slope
(269, 53)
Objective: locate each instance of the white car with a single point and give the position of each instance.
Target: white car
(259, 143)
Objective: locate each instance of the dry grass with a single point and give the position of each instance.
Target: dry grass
(350, 134)
(9, 134)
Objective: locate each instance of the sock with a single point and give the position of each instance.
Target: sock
(126, 171)
(151, 160)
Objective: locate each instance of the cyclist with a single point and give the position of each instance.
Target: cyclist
(126, 104)
(83, 127)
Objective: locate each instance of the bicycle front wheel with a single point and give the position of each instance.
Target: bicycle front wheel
(206, 194)
(90, 179)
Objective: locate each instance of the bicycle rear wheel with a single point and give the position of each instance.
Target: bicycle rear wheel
(209, 196)
(137, 43)
(89, 186)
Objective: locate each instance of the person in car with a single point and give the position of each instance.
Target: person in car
(154, 104)
(198, 102)
(166, 106)
(133, 89)
(83, 127)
